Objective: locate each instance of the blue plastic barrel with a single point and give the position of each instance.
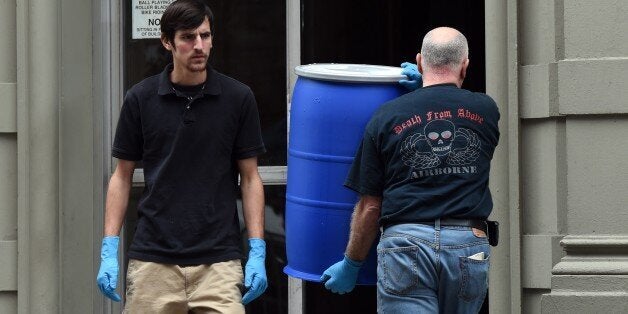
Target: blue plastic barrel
(331, 105)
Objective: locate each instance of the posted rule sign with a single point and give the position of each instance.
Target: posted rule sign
(146, 17)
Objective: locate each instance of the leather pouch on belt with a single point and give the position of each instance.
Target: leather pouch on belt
(493, 232)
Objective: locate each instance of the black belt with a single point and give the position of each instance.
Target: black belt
(473, 223)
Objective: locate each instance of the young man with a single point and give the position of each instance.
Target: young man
(194, 130)
(426, 186)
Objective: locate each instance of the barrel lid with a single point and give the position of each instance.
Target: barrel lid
(350, 72)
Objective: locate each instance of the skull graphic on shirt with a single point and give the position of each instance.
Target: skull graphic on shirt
(437, 146)
(440, 135)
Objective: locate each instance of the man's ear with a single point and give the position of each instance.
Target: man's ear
(166, 43)
(463, 69)
(418, 62)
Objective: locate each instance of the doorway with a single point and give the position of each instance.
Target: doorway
(250, 45)
(382, 33)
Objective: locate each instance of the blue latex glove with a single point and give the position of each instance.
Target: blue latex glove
(255, 272)
(341, 277)
(415, 80)
(107, 278)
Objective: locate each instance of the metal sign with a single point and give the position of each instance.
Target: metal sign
(146, 17)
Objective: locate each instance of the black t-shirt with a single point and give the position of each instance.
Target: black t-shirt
(428, 153)
(189, 141)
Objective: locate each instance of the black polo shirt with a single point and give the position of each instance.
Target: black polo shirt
(428, 154)
(189, 147)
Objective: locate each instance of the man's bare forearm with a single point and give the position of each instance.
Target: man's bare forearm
(118, 193)
(364, 227)
(252, 197)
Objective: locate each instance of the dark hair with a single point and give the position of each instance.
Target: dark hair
(184, 14)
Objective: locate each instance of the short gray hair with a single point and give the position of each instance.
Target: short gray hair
(444, 54)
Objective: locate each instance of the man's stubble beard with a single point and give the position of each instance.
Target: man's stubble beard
(197, 67)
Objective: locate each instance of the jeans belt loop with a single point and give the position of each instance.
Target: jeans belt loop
(437, 224)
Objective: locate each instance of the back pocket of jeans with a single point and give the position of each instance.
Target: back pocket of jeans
(473, 278)
(398, 267)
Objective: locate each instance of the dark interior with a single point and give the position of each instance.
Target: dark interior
(250, 45)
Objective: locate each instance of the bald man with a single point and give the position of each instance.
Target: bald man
(422, 173)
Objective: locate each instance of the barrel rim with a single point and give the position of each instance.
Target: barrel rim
(340, 72)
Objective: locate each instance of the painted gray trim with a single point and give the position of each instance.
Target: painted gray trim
(514, 144)
(539, 254)
(501, 84)
(296, 296)
(101, 62)
(38, 36)
(594, 255)
(592, 86)
(539, 90)
(604, 294)
(8, 107)
(591, 278)
(8, 158)
(296, 291)
(107, 82)
(8, 271)
(293, 44)
(76, 152)
(107, 30)
(23, 169)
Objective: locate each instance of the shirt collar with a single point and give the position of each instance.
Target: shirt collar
(443, 85)
(212, 85)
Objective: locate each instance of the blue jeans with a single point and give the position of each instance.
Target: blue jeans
(427, 269)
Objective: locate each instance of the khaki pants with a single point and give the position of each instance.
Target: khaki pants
(172, 289)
